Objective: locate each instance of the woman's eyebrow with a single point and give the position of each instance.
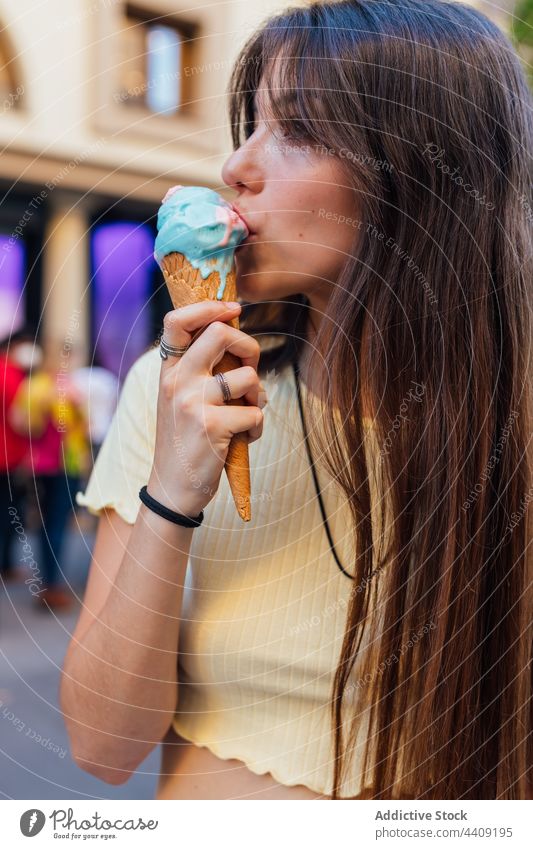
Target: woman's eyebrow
(286, 98)
(279, 102)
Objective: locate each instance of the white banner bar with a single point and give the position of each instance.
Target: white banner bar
(268, 824)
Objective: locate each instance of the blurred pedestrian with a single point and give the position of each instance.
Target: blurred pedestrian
(17, 353)
(49, 408)
(99, 388)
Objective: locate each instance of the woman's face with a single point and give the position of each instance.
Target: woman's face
(302, 214)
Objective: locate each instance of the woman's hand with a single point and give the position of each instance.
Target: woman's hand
(194, 425)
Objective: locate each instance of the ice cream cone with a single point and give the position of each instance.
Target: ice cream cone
(187, 286)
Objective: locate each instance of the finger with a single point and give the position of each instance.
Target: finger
(236, 419)
(255, 432)
(215, 340)
(243, 383)
(180, 326)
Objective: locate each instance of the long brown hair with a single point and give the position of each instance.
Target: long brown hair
(427, 106)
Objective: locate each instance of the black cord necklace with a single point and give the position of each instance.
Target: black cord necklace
(296, 370)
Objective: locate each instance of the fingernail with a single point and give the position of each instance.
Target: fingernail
(231, 305)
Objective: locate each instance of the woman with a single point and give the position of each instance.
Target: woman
(373, 641)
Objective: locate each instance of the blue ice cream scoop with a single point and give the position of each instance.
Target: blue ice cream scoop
(198, 223)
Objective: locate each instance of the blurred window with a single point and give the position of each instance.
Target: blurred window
(121, 286)
(153, 65)
(10, 91)
(12, 273)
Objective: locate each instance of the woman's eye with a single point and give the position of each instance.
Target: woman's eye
(285, 132)
(293, 129)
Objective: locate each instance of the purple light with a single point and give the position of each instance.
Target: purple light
(123, 263)
(12, 265)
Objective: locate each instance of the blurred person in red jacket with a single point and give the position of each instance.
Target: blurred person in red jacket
(49, 409)
(18, 353)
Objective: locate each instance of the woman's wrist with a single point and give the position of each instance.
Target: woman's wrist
(166, 533)
(185, 503)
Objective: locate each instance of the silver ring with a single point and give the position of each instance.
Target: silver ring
(166, 350)
(226, 391)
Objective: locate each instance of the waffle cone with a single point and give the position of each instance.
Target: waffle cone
(187, 286)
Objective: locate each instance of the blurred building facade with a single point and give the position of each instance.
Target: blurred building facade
(105, 104)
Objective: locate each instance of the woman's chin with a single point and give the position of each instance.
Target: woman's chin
(256, 295)
(260, 286)
(252, 297)
(249, 288)
(260, 293)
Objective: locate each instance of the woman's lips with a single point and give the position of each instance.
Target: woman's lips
(251, 231)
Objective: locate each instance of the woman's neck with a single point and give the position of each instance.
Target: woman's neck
(308, 377)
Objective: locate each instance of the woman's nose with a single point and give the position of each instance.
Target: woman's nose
(242, 169)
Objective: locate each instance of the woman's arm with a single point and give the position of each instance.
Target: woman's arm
(119, 689)
(119, 685)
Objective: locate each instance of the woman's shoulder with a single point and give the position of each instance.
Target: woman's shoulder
(148, 362)
(142, 378)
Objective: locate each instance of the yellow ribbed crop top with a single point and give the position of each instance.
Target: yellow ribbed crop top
(264, 606)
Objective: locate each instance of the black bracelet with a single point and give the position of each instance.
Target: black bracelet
(166, 513)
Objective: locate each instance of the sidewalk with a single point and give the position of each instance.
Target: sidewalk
(35, 761)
